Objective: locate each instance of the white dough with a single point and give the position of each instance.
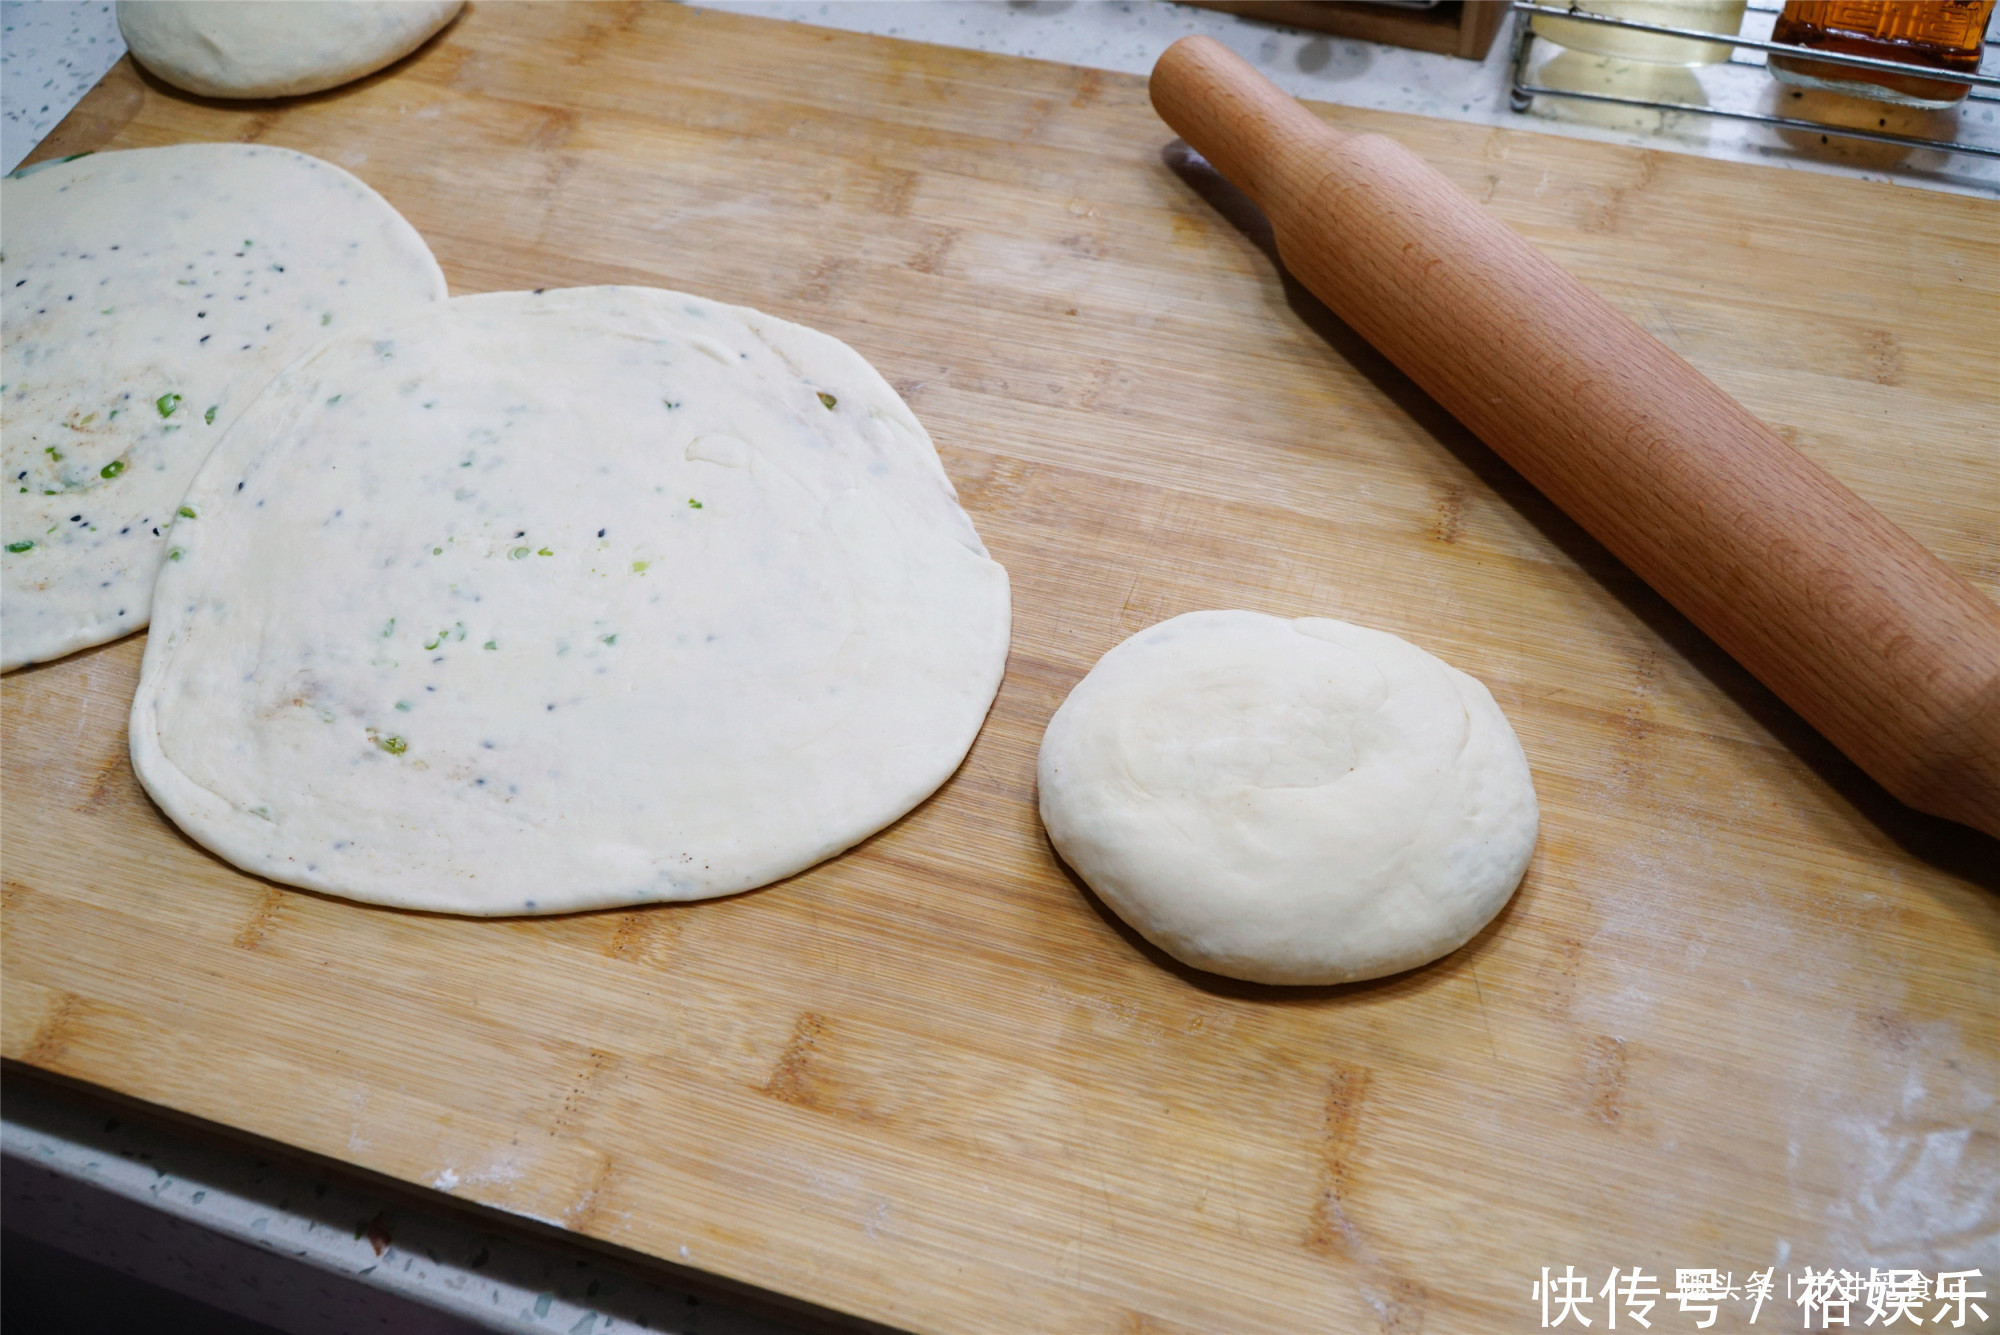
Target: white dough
(1288, 801)
(275, 48)
(148, 296)
(539, 602)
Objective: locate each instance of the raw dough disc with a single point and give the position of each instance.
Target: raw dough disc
(540, 602)
(149, 294)
(1288, 801)
(237, 48)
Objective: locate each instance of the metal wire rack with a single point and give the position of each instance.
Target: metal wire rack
(1746, 52)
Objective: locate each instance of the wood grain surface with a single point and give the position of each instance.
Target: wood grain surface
(1740, 1014)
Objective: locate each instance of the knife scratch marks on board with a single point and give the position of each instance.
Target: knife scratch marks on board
(1397, 1300)
(930, 256)
(253, 130)
(1635, 723)
(799, 1076)
(820, 281)
(1089, 87)
(1885, 358)
(644, 936)
(52, 1036)
(894, 193)
(261, 920)
(582, 1091)
(1346, 1092)
(1450, 508)
(1604, 1078)
(588, 1205)
(105, 782)
(1084, 245)
(999, 486)
(554, 127)
(790, 1081)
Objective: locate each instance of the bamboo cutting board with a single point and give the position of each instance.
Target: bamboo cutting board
(1740, 1014)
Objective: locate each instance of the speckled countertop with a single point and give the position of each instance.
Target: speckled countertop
(152, 1203)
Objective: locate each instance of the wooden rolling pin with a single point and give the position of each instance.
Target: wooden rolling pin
(1881, 646)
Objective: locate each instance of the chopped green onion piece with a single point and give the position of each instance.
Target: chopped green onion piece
(24, 545)
(112, 469)
(166, 403)
(828, 400)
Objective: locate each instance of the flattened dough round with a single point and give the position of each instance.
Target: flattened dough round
(275, 48)
(1288, 801)
(537, 602)
(149, 294)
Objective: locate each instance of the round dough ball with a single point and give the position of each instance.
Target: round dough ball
(150, 294)
(265, 48)
(531, 602)
(1288, 801)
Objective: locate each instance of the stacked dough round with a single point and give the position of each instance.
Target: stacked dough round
(524, 602)
(539, 602)
(149, 295)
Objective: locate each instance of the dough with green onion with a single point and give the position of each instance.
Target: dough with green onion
(148, 295)
(1288, 801)
(275, 48)
(536, 602)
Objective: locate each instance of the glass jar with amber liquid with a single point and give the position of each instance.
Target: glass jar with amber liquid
(1941, 34)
